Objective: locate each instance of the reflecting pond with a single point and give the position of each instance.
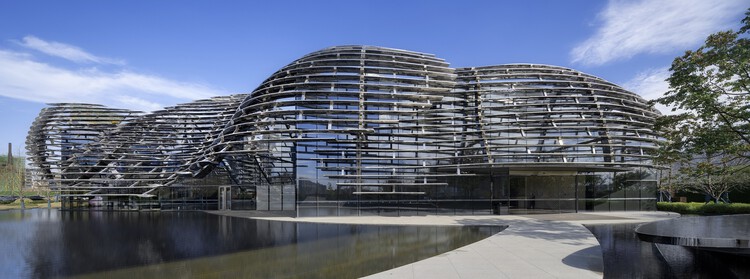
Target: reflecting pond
(42, 243)
(626, 256)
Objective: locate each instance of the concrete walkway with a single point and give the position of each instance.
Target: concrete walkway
(533, 246)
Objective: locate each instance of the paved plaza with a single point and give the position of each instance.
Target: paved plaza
(533, 246)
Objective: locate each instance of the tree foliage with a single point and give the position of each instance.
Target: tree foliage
(709, 139)
(11, 175)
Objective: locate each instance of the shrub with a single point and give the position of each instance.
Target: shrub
(698, 208)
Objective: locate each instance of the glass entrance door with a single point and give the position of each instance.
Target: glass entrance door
(542, 194)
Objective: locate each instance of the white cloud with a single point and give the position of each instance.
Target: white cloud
(654, 26)
(129, 101)
(651, 84)
(66, 51)
(23, 77)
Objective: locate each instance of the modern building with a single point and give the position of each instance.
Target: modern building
(361, 130)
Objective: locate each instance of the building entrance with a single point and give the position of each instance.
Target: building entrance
(543, 194)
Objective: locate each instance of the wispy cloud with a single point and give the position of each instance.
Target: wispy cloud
(66, 51)
(651, 84)
(22, 76)
(629, 28)
(130, 101)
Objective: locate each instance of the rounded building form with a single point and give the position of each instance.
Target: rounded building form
(354, 130)
(538, 116)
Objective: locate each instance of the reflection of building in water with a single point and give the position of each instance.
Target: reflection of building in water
(180, 244)
(367, 130)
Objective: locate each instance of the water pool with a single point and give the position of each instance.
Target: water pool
(43, 243)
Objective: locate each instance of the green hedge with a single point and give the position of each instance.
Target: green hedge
(700, 208)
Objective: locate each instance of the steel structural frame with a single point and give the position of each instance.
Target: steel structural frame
(373, 120)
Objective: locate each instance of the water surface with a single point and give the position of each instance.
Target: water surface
(43, 243)
(626, 256)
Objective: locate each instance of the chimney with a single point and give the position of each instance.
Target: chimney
(10, 155)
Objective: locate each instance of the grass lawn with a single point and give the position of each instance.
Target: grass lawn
(28, 204)
(26, 192)
(699, 208)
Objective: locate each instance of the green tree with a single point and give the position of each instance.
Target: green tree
(710, 138)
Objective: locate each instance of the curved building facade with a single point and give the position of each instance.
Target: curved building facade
(357, 130)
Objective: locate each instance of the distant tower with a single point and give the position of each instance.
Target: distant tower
(10, 155)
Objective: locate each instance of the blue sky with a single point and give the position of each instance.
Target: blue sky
(148, 54)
